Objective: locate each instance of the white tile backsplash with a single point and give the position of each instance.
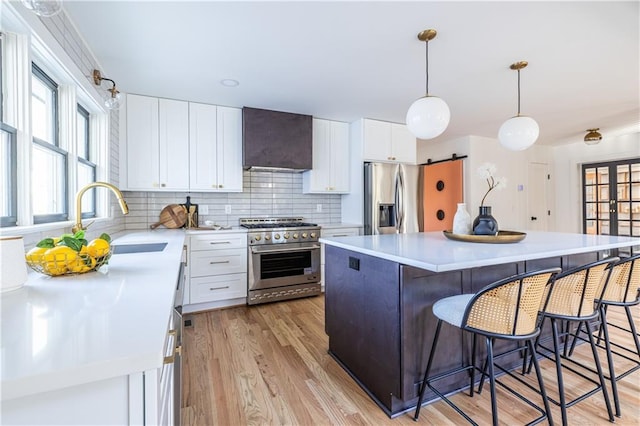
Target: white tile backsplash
(265, 194)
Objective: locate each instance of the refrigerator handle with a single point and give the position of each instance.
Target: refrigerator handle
(399, 201)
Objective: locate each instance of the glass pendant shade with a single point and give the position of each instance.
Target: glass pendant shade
(113, 102)
(46, 8)
(518, 133)
(428, 117)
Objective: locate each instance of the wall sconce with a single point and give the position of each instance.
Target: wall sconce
(428, 116)
(45, 8)
(115, 100)
(519, 132)
(593, 137)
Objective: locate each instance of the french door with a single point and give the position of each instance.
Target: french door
(611, 194)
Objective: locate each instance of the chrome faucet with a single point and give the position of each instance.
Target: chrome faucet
(123, 204)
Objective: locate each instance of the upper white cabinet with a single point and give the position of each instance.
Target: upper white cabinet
(388, 142)
(330, 173)
(169, 145)
(156, 150)
(215, 148)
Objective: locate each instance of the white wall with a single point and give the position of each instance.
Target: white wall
(567, 171)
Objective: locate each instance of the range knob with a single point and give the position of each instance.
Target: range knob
(257, 237)
(267, 237)
(304, 235)
(286, 235)
(295, 235)
(277, 236)
(313, 235)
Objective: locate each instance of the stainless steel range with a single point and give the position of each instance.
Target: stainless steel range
(284, 259)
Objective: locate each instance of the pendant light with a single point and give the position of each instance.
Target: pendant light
(593, 137)
(519, 132)
(45, 8)
(428, 116)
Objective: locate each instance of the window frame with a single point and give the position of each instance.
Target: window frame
(53, 146)
(12, 218)
(88, 148)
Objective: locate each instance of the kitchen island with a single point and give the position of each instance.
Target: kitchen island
(89, 348)
(379, 290)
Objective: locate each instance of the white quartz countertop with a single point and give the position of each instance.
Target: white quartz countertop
(432, 251)
(69, 330)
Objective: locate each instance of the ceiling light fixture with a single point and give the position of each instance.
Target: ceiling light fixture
(229, 82)
(519, 132)
(45, 8)
(115, 100)
(593, 137)
(428, 116)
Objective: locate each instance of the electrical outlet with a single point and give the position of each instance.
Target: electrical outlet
(203, 209)
(319, 208)
(227, 209)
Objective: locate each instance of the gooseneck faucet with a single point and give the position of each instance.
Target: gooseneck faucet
(123, 204)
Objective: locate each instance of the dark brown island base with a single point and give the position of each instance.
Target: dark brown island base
(379, 290)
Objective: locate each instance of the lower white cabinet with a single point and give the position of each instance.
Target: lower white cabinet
(217, 267)
(338, 231)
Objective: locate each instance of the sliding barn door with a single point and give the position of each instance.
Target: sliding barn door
(442, 191)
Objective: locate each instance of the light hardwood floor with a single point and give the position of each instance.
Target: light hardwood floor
(268, 365)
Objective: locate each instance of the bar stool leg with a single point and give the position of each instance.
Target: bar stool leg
(632, 326)
(473, 363)
(543, 392)
(423, 387)
(607, 344)
(556, 350)
(596, 359)
(492, 381)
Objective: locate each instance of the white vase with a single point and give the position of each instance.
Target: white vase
(462, 220)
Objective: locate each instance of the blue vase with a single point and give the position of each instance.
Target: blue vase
(484, 223)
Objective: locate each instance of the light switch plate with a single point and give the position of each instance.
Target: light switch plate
(203, 209)
(319, 208)
(227, 209)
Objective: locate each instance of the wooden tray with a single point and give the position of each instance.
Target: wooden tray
(503, 237)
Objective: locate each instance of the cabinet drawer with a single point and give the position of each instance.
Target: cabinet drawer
(340, 232)
(218, 262)
(221, 287)
(218, 242)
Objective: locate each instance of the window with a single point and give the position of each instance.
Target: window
(86, 167)
(48, 159)
(8, 160)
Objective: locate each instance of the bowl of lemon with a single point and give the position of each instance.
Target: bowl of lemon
(69, 254)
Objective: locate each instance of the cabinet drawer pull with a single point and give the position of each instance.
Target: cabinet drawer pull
(220, 242)
(218, 288)
(218, 262)
(340, 235)
(172, 333)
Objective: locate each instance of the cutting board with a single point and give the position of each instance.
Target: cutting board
(172, 216)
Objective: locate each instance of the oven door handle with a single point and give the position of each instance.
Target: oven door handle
(257, 250)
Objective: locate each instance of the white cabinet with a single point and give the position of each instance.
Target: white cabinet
(215, 148)
(330, 173)
(384, 141)
(217, 267)
(337, 231)
(156, 144)
(169, 145)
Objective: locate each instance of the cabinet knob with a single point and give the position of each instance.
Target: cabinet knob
(154, 184)
(163, 185)
(219, 186)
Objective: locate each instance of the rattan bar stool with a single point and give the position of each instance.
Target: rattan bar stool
(506, 309)
(622, 289)
(570, 298)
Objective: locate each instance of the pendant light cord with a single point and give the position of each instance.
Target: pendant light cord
(427, 66)
(518, 92)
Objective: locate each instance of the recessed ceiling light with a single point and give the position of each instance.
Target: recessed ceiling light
(229, 82)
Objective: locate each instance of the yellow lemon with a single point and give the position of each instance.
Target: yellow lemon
(35, 255)
(98, 248)
(57, 258)
(83, 263)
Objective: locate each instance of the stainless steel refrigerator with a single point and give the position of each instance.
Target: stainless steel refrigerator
(392, 198)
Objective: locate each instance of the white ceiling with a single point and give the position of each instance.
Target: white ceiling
(346, 60)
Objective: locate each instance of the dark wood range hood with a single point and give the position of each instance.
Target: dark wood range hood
(274, 140)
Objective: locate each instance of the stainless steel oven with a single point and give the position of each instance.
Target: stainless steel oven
(284, 259)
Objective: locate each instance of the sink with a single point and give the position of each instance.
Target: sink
(137, 248)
